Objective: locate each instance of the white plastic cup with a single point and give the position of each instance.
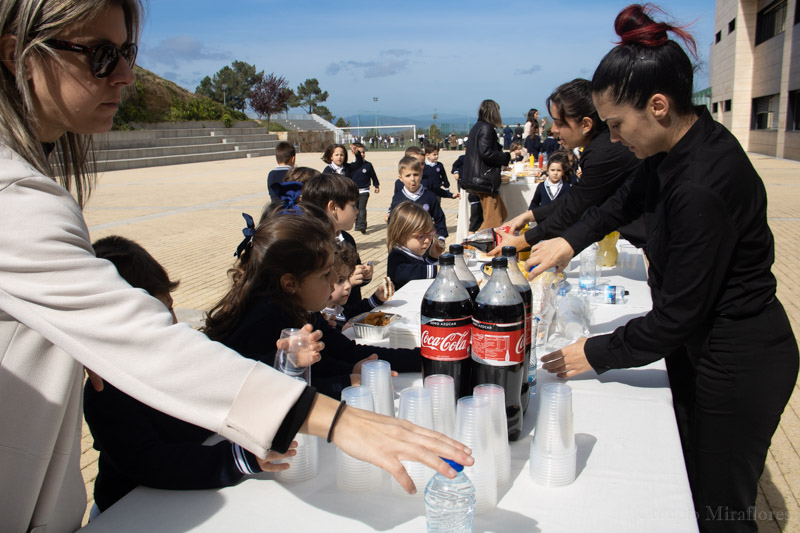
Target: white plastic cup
(553, 449)
(473, 428)
(415, 406)
(377, 376)
(354, 475)
(501, 450)
(304, 465)
(443, 400)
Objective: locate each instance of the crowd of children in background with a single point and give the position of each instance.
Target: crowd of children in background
(298, 267)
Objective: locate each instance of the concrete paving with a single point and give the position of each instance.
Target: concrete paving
(189, 218)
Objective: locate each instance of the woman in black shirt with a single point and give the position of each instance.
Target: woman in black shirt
(733, 358)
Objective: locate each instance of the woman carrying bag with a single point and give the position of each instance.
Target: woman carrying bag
(484, 159)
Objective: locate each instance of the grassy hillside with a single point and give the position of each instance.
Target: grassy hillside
(153, 99)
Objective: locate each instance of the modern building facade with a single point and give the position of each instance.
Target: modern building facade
(755, 74)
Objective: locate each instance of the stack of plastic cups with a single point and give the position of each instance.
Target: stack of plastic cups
(473, 428)
(553, 450)
(377, 377)
(415, 406)
(353, 475)
(443, 398)
(496, 397)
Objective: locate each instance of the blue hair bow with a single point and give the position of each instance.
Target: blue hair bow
(248, 233)
(289, 193)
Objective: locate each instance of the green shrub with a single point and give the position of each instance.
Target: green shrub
(228, 120)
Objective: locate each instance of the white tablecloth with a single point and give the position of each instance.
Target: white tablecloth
(630, 474)
(517, 196)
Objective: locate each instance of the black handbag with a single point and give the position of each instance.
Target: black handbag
(486, 183)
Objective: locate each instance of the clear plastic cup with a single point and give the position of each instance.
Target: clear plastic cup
(553, 449)
(354, 475)
(443, 398)
(304, 465)
(416, 407)
(496, 397)
(293, 360)
(473, 428)
(377, 376)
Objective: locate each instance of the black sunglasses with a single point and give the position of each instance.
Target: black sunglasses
(104, 58)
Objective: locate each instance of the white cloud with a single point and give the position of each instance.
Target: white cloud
(177, 51)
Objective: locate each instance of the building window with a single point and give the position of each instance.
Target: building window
(731, 26)
(770, 21)
(727, 106)
(715, 107)
(793, 120)
(718, 37)
(765, 113)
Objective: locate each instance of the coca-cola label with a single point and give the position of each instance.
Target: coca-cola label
(528, 325)
(445, 340)
(498, 343)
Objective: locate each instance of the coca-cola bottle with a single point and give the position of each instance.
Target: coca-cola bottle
(524, 288)
(445, 324)
(464, 275)
(498, 344)
(486, 239)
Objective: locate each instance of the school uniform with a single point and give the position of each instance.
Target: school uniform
(429, 203)
(606, 166)
(261, 325)
(139, 445)
(355, 304)
(362, 177)
(547, 192)
(403, 266)
(276, 175)
(348, 169)
(434, 178)
(533, 144)
(548, 146)
(731, 354)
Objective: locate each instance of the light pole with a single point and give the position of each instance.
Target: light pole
(224, 88)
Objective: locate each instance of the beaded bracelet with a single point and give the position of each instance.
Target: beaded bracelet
(335, 418)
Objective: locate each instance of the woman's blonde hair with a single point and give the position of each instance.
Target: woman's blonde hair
(407, 219)
(33, 22)
(489, 111)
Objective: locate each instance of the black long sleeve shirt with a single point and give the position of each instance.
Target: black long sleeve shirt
(605, 167)
(710, 248)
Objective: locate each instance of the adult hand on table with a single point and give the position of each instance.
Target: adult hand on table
(569, 361)
(547, 254)
(268, 466)
(385, 441)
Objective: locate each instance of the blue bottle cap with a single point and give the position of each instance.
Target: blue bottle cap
(457, 467)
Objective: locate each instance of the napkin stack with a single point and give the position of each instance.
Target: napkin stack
(404, 333)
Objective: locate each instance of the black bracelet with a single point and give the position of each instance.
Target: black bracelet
(335, 418)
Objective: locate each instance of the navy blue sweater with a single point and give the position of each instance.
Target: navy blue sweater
(365, 175)
(348, 169)
(276, 175)
(540, 197)
(403, 266)
(434, 178)
(429, 202)
(549, 146)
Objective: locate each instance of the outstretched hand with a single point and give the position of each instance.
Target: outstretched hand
(569, 361)
(548, 254)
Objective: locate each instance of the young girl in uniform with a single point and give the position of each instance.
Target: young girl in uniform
(409, 239)
(557, 183)
(335, 156)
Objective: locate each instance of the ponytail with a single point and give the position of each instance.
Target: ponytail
(646, 61)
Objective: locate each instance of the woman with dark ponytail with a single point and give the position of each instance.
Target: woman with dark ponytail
(731, 354)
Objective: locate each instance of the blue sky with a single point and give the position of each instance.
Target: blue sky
(414, 56)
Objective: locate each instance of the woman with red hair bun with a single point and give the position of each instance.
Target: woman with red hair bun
(730, 351)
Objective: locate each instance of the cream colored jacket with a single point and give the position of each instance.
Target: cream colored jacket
(61, 308)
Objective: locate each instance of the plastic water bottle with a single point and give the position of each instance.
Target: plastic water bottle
(588, 272)
(609, 294)
(450, 503)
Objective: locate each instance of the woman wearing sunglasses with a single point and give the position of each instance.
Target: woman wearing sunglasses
(64, 65)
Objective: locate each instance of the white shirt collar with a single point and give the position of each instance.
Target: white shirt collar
(414, 196)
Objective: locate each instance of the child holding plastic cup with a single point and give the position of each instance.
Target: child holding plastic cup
(283, 278)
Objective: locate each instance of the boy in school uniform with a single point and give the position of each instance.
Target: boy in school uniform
(434, 177)
(410, 174)
(285, 156)
(363, 177)
(549, 145)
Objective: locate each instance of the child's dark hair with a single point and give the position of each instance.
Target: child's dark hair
(135, 265)
(414, 150)
(284, 152)
(301, 174)
(325, 188)
(573, 100)
(409, 162)
(361, 145)
(516, 145)
(646, 62)
(431, 148)
(295, 244)
(345, 254)
(561, 157)
(326, 157)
